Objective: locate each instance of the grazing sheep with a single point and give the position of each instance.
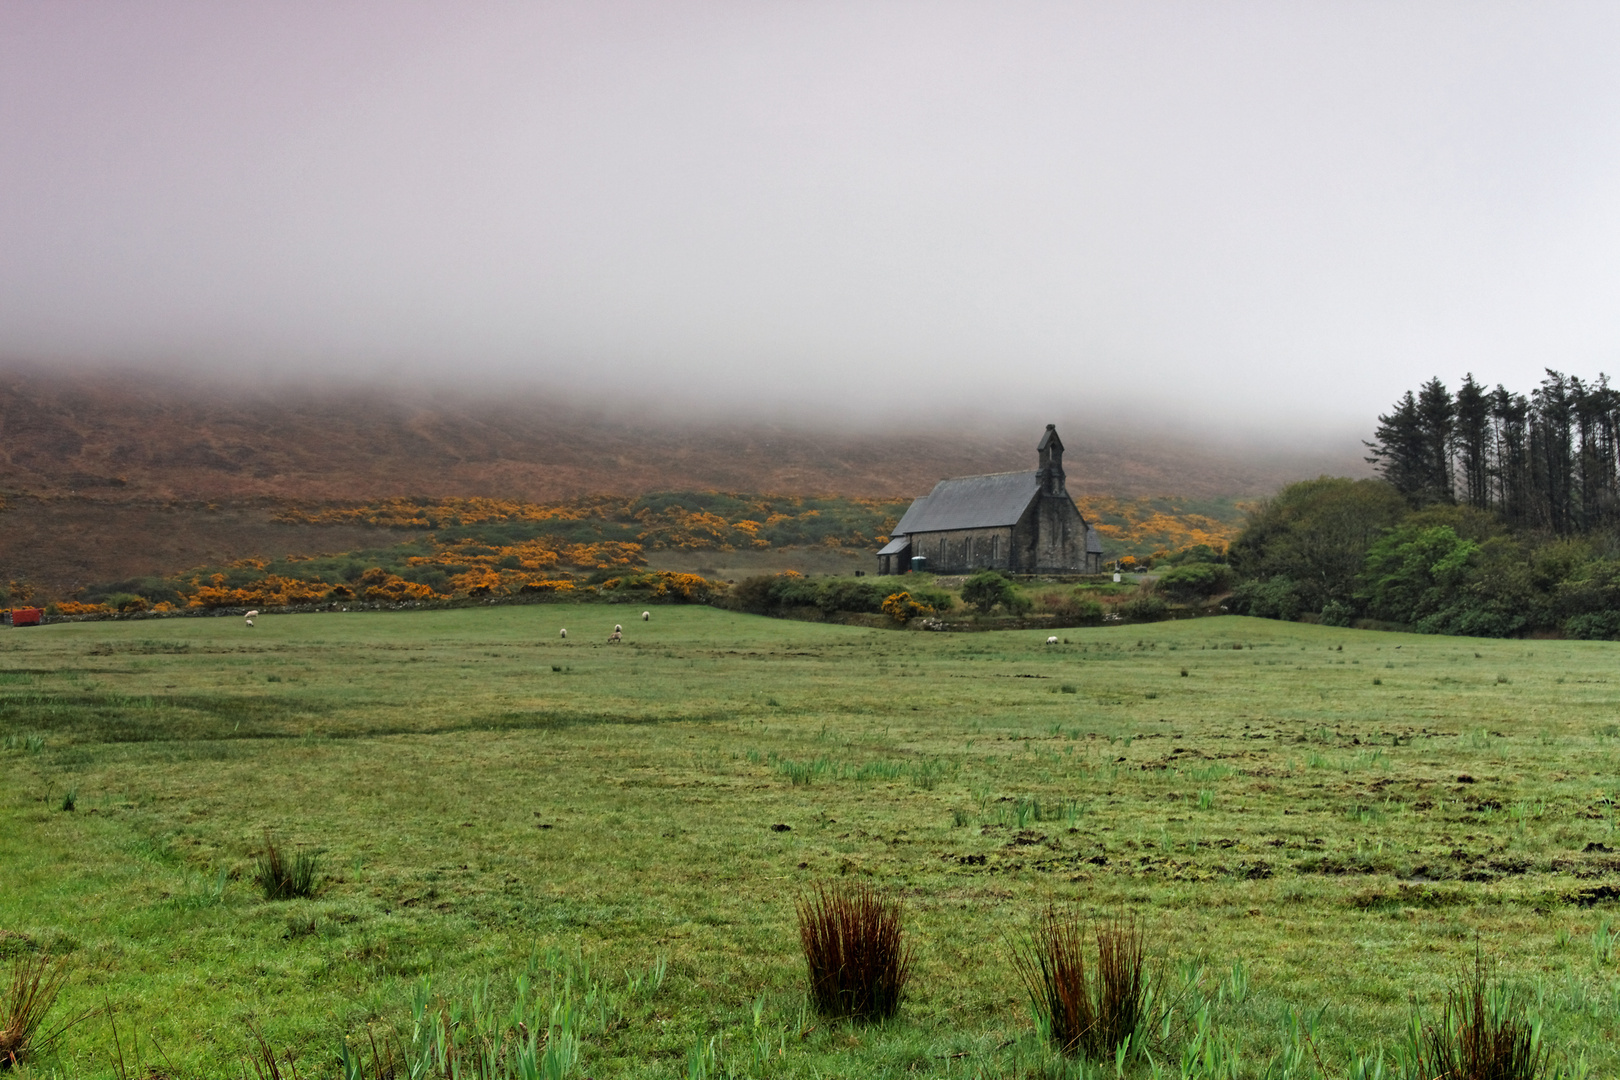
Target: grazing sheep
(250, 616)
(645, 615)
(615, 637)
(563, 633)
(617, 629)
(1051, 641)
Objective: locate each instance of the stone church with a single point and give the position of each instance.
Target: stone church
(1019, 522)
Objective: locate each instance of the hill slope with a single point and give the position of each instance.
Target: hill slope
(112, 476)
(127, 435)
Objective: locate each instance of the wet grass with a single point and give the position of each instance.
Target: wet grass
(480, 789)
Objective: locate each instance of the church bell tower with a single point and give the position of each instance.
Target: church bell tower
(1050, 473)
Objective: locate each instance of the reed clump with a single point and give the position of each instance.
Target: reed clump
(1099, 1009)
(26, 999)
(283, 876)
(855, 948)
(1485, 1033)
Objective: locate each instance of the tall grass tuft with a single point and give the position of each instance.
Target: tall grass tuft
(536, 1037)
(1096, 1012)
(30, 744)
(1484, 1034)
(855, 949)
(26, 998)
(264, 1061)
(281, 876)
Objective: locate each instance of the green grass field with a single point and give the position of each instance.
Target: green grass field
(1319, 827)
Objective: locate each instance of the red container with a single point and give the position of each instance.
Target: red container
(26, 616)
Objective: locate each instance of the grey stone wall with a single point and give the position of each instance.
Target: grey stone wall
(959, 551)
(1050, 538)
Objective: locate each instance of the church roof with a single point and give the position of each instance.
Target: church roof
(895, 546)
(971, 502)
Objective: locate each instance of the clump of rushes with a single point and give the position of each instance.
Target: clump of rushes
(855, 948)
(1095, 1013)
(281, 876)
(26, 998)
(1484, 1034)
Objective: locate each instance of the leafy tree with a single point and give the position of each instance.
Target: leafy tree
(1589, 601)
(1316, 534)
(1414, 572)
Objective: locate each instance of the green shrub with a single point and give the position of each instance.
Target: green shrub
(1337, 613)
(1594, 626)
(1194, 581)
(851, 595)
(1145, 607)
(1276, 598)
(1197, 553)
(792, 590)
(938, 599)
(1085, 610)
(751, 594)
(987, 590)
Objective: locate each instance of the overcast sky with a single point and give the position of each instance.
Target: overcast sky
(1285, 212)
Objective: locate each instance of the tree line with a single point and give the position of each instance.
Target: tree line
(1495, 514)
(1549, 460)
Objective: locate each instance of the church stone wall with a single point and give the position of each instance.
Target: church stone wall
(960, 551)
(1061, 536)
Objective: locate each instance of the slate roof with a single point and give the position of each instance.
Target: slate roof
(895, 546)
(971, 502)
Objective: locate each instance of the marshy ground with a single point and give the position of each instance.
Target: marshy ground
(1313, 822)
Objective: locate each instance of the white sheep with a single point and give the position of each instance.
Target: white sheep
(563, 633)
(1051, 641)
(250, 616)
(645, 615)
(617, 629)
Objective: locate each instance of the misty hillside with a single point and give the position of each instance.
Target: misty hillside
(113, 438)
(111, 477)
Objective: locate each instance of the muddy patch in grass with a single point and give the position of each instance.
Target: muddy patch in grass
(1427, 897)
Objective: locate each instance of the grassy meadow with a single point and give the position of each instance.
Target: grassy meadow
(1319, 827)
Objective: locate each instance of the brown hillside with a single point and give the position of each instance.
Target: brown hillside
(122, 436)
(109, 476)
